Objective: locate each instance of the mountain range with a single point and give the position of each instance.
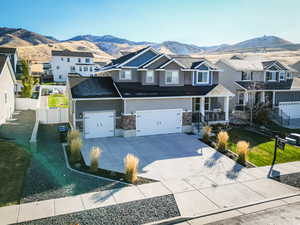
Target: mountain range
(107, 46)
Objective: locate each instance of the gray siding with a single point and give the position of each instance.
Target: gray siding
(141, 59)
(287, 96)
(188, 77)
(131, 106)
(135, 76)
(171, 66)
(99, 105)
(215, 77)
(143, 78)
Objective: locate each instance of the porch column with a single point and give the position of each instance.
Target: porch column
(246, 98)
(273, 103)
(202, 108)
(226, 108)
(74, 114)
(262, 97)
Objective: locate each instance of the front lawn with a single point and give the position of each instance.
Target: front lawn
(14, 162)
(262, 148)
(57, 101)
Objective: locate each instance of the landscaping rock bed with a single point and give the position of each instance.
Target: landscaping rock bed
(114, 175)
(131, 213)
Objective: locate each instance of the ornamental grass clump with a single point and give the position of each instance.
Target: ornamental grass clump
(222, 141)
(242, 149)
(95, 154)
(206, 133)
(131, 166)
(75, 147)
(73, 134)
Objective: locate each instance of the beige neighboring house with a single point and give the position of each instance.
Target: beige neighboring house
(260, 81)
(7, 89)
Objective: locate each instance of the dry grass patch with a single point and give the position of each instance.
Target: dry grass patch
(222, 140)
(131, 166)
(73, 134)
(242, 149)
(75, 147)
(94, 157)
(206, 133)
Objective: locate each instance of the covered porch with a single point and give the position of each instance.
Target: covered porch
(213, 107)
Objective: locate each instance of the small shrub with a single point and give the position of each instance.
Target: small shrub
(242, 149)
(75, 147)
(131, 165)
(222, 140)
(73, 134)
(94, 157)
(206, 133)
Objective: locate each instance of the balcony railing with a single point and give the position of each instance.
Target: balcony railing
(214, 116)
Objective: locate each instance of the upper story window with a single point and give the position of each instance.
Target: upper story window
(150, 76)
(246, 76)
(289, 75)
(80, 68)
(271, 75)
(72, 68)
(282, 75)
(85, 69)
(79, 60)
(125, 75)
(68, 59)
(62, 59)
(91, 69)
(172, 77)
(87, 60)
(202, 77)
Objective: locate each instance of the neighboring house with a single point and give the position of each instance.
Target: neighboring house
(255, 81)
(147, 93)
(7, 89)
(12, 53)
(296, 66)
(68, 62)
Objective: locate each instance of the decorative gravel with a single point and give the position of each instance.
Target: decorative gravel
(48, 177)
(131, 213)
(292, 179)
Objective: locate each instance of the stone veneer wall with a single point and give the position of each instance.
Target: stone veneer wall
(128, 122)
(187, 118)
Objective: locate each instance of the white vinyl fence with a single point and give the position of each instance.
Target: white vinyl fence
(51, 116)
(26, 103)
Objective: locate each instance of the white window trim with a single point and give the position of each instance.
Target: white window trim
(280, 72)
(172, 82)
(248, 76)
(273, 72)
(202, 71)
(148, 75)
(125, 78)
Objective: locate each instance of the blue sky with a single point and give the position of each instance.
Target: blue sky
(201, 22)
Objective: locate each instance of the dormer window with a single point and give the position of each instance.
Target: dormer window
(202, 77)
(282, 76)
(150, 76)
(247, 76)
(79, 60)
(172, 77)
(271, 75)
(87, 60)
(125, 75)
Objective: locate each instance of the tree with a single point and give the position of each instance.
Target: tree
(28, 80)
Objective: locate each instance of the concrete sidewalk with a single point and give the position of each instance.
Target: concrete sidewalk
(194, 197)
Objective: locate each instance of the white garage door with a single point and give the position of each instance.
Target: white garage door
(291, 109)
(99, 124)
(152, 122)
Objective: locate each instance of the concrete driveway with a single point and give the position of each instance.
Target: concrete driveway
(167, 157)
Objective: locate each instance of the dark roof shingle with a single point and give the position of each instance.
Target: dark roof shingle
(2, 62)
(71, 53)
(260, 85)
(6, 50)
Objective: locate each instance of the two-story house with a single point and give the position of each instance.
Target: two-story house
(255, 81)
(12, 53)
(147, 93)
(68, 62)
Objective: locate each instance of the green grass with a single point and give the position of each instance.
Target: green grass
(262, 148)
(57, 101)
(14, 162)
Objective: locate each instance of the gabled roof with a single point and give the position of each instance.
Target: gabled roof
(125, 58)
(148, 63)
(6, 50)
(255, 64)
(194, 62)
(4, 59)
(291, 84)
(173, 60)
(92, 87)
(71, 53)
